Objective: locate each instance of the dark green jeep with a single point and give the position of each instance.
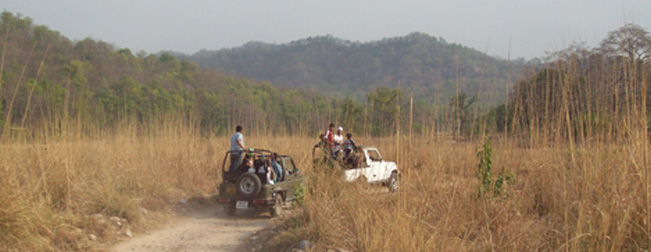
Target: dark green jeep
(245, 187)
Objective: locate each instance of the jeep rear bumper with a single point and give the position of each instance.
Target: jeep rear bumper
(251, 203)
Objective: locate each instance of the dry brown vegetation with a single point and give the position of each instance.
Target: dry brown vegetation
(52, 184)
(596, 201)
(587, 197)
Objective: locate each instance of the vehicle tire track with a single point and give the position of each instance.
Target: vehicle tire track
(206, 230)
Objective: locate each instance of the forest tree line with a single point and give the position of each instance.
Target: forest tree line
(48, 79)
(583, 92)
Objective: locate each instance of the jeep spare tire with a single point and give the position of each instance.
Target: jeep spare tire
(248, 185)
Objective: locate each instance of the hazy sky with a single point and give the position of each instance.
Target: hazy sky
(531, 27)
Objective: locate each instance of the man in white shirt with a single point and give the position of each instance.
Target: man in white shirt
(237, 147)
(338, 140)
(237, 140)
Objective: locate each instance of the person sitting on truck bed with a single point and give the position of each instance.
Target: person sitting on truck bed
(266, 174)
(349, 150)
(248, 166)
(349, 144)
(275, 165)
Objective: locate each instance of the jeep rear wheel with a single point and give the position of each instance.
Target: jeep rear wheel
(248, 184)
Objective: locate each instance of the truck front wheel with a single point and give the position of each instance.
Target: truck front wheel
(393, 183)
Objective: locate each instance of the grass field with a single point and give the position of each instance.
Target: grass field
(52, 186)
(588, 197)
(592, 198)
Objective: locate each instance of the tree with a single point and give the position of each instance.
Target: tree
(460, 109)
(351, 114)
(2, 114)
(384, 104)
(15, 21)
(630, 41)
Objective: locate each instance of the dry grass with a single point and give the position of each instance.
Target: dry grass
(50, 188)
(595, 202)
(590, 198)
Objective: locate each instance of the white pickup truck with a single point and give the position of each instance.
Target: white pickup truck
(373, 169)
(365, 165)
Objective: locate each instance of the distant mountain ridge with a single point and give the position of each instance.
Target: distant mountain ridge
(416, 62)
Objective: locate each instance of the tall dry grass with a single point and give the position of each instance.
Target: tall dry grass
(586, 198)
(596, 202)
(53, 181)
(50, 186)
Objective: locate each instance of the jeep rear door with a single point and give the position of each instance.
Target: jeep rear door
(292, 177)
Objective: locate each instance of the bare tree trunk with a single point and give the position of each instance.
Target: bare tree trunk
(398, 130)
(411, 126)
(13, 98)
(644, 140)
(456, 97)
(508, 82)
(31, 91)
(4, 50)
(481, 83)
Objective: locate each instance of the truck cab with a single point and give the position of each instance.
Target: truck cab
(364, 164)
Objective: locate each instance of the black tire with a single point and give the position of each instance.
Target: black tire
(277, 209)
(248, 185)
(230, 209)
(393, 184)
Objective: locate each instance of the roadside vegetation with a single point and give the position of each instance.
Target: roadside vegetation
(562, 165)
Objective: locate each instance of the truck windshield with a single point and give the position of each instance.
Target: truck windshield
(288, 164)
(374, 155)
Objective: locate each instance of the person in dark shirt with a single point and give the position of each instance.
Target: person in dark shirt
(349, 151)
(349, 144)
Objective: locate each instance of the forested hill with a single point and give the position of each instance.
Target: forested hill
(48, 81)
(417, 62)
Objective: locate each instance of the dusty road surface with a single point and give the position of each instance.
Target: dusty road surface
(205, 230)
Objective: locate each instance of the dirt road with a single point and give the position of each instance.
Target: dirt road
(205, 230)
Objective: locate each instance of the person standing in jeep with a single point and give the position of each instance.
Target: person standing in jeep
(237, 140)
(237, 145)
